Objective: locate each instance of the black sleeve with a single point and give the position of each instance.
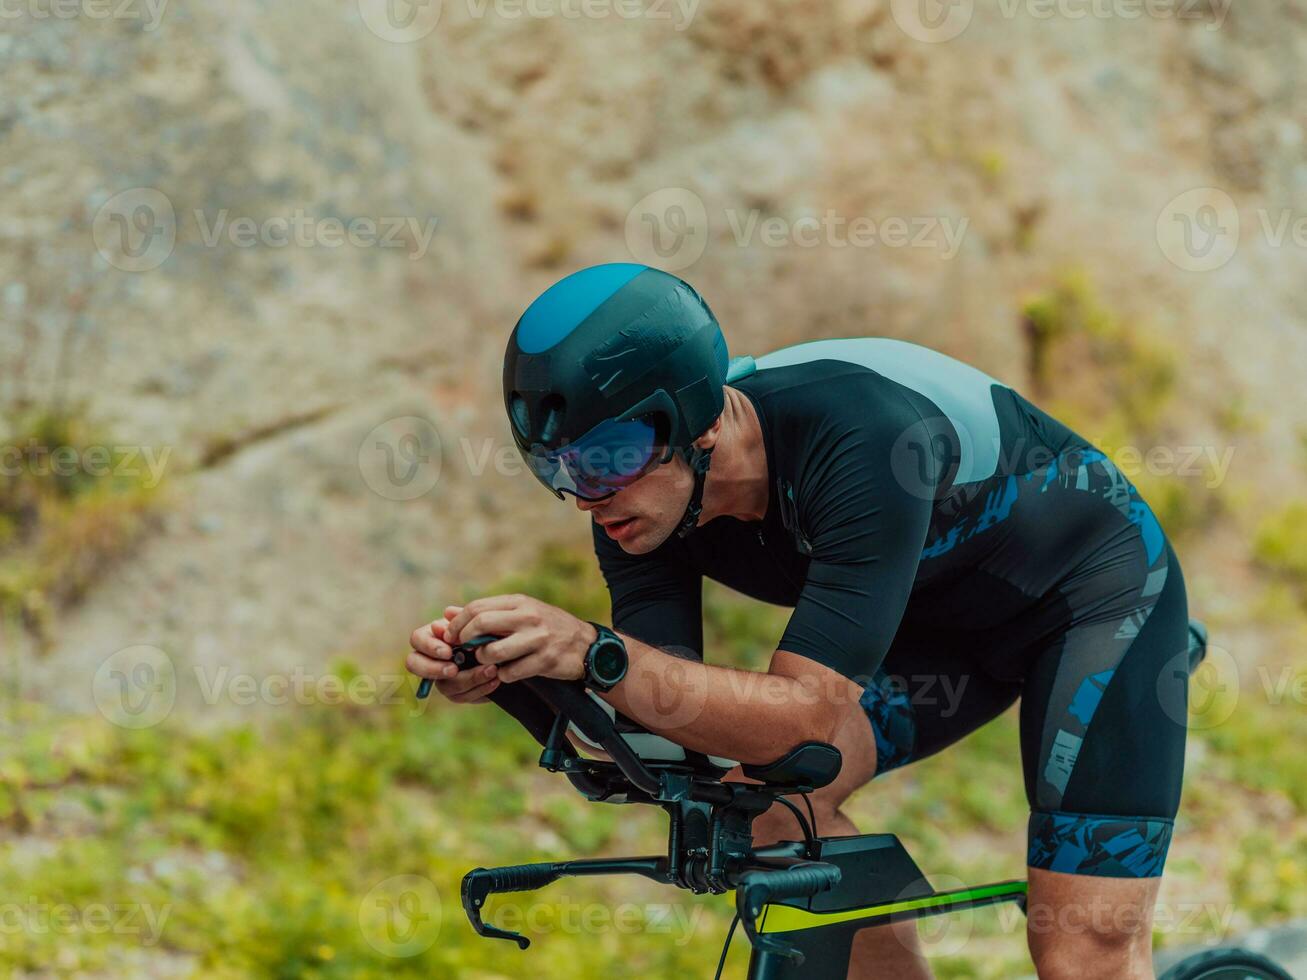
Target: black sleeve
(657, 598)
(866, 530)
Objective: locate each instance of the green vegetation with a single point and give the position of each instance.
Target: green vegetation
(70, 505)
(1123, 403)
(265, 852)
(1067, 328)
(1281, 545)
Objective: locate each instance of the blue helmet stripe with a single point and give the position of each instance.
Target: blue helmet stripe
(561, 308)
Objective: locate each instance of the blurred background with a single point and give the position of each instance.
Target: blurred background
(258, 264)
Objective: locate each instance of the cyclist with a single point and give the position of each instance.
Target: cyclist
(924, 521)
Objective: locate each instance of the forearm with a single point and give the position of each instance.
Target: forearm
(745, 715)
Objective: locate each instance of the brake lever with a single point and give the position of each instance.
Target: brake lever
(758, 888)
(465, 658)
(480, 883)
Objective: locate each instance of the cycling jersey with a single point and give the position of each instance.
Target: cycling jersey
(924, 518)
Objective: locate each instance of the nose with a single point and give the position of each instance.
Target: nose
(585, 506)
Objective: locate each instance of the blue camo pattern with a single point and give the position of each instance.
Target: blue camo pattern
(889, 709)
(1104, 846)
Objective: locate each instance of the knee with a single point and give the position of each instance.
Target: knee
(1087, 950)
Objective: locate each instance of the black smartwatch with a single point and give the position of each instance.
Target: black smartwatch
(605, 661)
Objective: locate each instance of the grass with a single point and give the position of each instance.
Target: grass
(71, 505)
(1281, 544)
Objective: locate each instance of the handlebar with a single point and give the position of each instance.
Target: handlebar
(757, 889)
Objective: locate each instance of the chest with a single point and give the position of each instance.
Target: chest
(761, 559)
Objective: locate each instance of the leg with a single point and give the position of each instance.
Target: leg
(1081, 927)
(1103, 771)
(927, 695)
(890, 951)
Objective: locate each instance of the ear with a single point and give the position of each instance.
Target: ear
(709, 439)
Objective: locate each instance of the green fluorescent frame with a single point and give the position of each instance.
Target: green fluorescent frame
(787, 918)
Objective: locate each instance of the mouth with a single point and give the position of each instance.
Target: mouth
(615, 529)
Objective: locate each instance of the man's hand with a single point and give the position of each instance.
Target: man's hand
(432, 657)
(538, 640)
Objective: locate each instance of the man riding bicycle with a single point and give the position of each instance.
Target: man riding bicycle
(921, 518)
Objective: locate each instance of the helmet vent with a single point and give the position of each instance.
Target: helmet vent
(552, 409)
(519, 414)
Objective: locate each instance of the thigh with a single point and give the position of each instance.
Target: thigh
(1103, 732)
(929, 693)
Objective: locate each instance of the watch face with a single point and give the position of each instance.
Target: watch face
(608, 662)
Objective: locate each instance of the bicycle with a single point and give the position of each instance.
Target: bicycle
(799, 902)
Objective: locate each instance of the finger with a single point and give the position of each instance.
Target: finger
(458, 625)
(476, 694)
(497, 622)
(455, 687)
(425, 640)
(520, 644)
(531, 666)
(421, 665)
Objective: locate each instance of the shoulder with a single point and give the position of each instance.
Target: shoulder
(829, 404)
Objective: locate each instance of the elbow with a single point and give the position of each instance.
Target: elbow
(818, 722)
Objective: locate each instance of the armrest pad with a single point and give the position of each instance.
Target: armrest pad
(814, 764)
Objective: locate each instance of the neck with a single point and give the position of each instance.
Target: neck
(738, 480)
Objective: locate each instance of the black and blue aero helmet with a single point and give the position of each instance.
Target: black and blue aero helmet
(608, 373)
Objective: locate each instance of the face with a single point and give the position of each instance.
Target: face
(645, 514)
